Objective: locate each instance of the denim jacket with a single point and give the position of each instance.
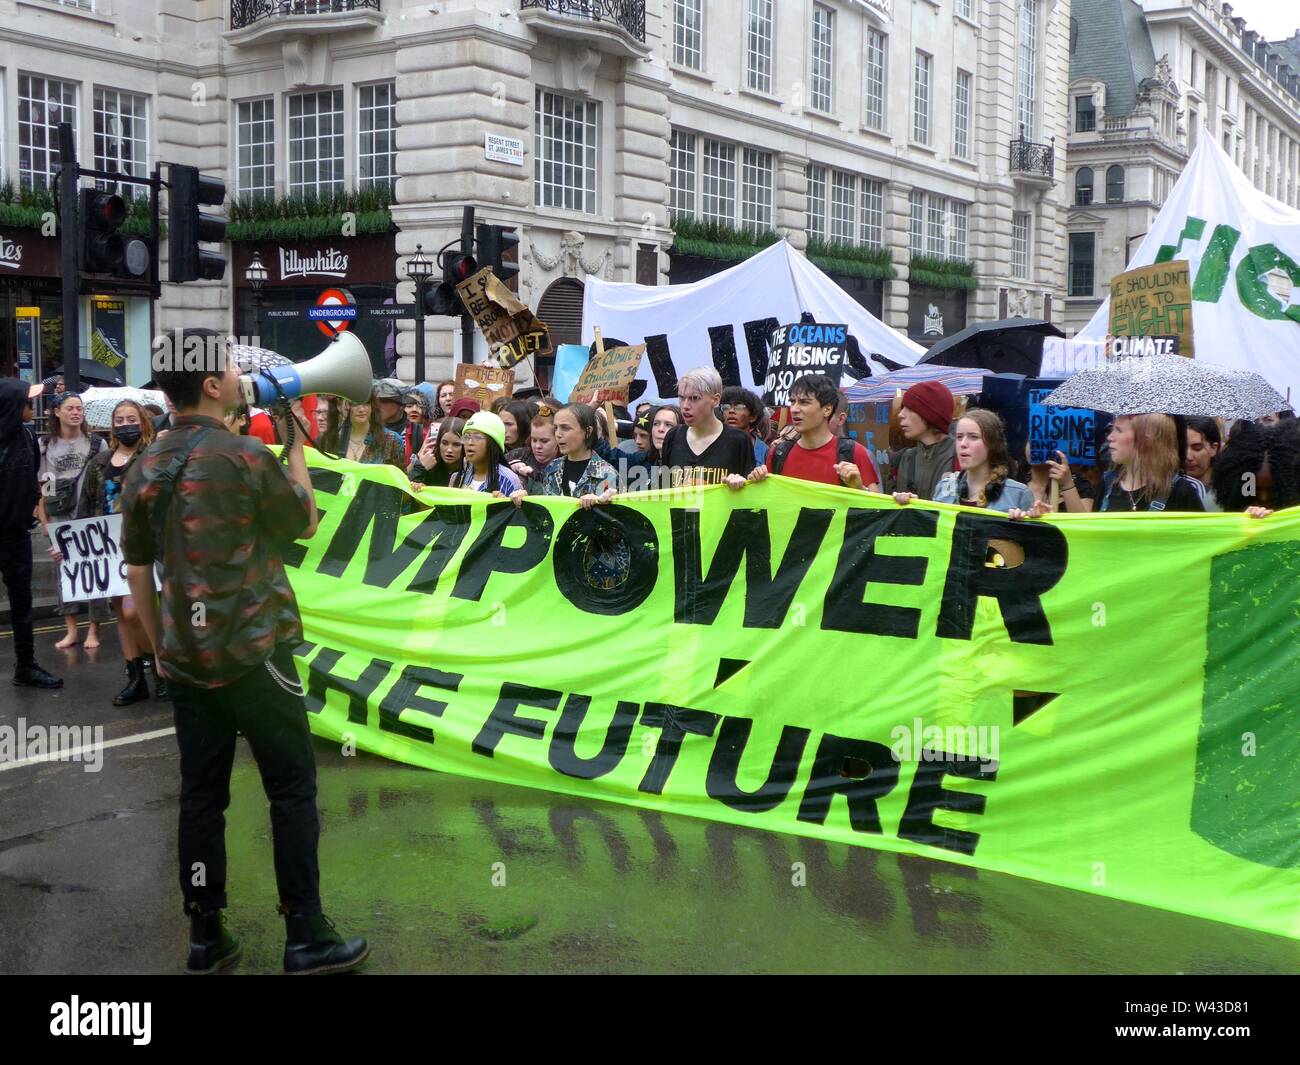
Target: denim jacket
(598, 476)
(1012, 496)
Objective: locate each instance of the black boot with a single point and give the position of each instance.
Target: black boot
(211, 946)
(137, 689)
(32, 676)
(160, 689)
(313, 945)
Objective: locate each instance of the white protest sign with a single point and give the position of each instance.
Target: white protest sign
(93, 566)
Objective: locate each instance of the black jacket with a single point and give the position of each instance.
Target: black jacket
(19, 461)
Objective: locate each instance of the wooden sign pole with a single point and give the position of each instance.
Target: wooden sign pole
(612, 423)
(600, 342)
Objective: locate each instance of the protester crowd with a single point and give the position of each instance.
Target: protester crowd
(532, 444)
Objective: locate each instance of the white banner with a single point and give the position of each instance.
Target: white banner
(724, 320)
(93, 566)
(1244, 251)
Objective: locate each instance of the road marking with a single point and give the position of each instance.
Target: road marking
(73, 755)
(57, 628)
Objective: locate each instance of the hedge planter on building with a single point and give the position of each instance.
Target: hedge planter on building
(357, 213)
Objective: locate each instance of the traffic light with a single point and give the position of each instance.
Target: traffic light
(105, 251)
(457, 266)
(188, 227)
(493, 243)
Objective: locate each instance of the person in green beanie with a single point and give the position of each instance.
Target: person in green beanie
(485, 441)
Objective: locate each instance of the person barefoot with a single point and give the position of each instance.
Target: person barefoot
(92, 636)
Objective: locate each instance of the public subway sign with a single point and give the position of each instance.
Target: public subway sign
(93, 566)
(982, 714)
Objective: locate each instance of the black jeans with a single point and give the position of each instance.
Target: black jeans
(275, 724)
(16, 570)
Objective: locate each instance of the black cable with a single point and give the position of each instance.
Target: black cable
(284, 406)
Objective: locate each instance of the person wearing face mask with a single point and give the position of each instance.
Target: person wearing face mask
(441, 457)
(19, 495)
(101, 493)
(66, 450)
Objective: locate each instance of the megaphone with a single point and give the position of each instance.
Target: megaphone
(342, 369)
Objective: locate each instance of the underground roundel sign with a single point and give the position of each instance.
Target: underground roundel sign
(335, 310)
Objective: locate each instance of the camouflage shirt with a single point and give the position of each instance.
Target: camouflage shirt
(226, 600)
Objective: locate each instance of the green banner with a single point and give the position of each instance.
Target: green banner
(1095, 701)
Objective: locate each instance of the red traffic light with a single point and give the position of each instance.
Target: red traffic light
(108, 209)
(458, 267)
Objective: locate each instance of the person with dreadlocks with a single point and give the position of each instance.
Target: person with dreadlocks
(983, 480)
(1258, 470)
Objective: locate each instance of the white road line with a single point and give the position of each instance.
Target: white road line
(74, 754)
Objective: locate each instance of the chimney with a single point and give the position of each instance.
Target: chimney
(1248, 39)
(1227, 11)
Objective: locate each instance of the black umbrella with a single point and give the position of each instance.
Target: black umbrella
(97, 372)
(1012, 345)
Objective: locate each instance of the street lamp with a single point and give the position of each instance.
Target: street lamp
(255, 275)
(419, 268)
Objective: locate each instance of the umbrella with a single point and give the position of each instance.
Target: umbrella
(92, 371)
(1011, 345)
(100, 402)
(251, 359)
(1170, 384)
(961, 381)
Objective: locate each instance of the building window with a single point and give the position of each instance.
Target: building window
(1085, 114)
(1083, 186)
(873, 213)
(916, 234)
(844, 207)
(42, 104)
(255, 151)
(121, 139)
(681, 171)
(756, 190)
(1193, 127)
(758, 45)
(961, 116)
(822, 65)
(1020, 244)
(957, 229)
(1082, 254)
(377, 135)
(688, 33)
(1115, 184)
(921, 98)
(936, 227)
(966, 9)
(564, 158)
(1027, 68)
(316, 143)
(817, 201)
(719, 182)
(877, 51)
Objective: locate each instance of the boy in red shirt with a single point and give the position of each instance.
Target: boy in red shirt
(818, 454)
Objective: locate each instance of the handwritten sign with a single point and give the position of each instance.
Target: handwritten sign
(512, 331)
(800, 350)
(1152, 301)
(1072, 430)
(93, 566)
(483, 383)
(607, 376)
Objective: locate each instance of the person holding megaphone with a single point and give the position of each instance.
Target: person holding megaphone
(226, 625)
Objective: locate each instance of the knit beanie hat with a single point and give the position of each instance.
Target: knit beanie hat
(488, 424)
(463, 407)
(932, 401)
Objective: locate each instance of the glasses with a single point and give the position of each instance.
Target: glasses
(736, 407)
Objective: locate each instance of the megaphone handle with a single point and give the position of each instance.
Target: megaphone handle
(290, 421)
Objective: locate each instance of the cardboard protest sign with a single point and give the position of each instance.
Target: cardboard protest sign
(1072, 430)
(989, 683)
(483, 383)
(511, 329)
(799, 350)
(1156, 302)
(608, 375)
(93, 566)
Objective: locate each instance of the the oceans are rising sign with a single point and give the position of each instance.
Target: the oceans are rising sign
(1010, 717)
(799, 350)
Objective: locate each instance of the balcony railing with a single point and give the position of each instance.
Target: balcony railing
(1038, 160)
(627, 14)
(248, 12)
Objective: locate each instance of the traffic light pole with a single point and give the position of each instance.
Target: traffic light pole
(466, 321)
(69, 235)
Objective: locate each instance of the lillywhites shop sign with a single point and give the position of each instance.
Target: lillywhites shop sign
(11, 253)
(329, 262)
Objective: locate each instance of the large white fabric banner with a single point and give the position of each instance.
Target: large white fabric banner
(724, 320)
(1244, 252)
